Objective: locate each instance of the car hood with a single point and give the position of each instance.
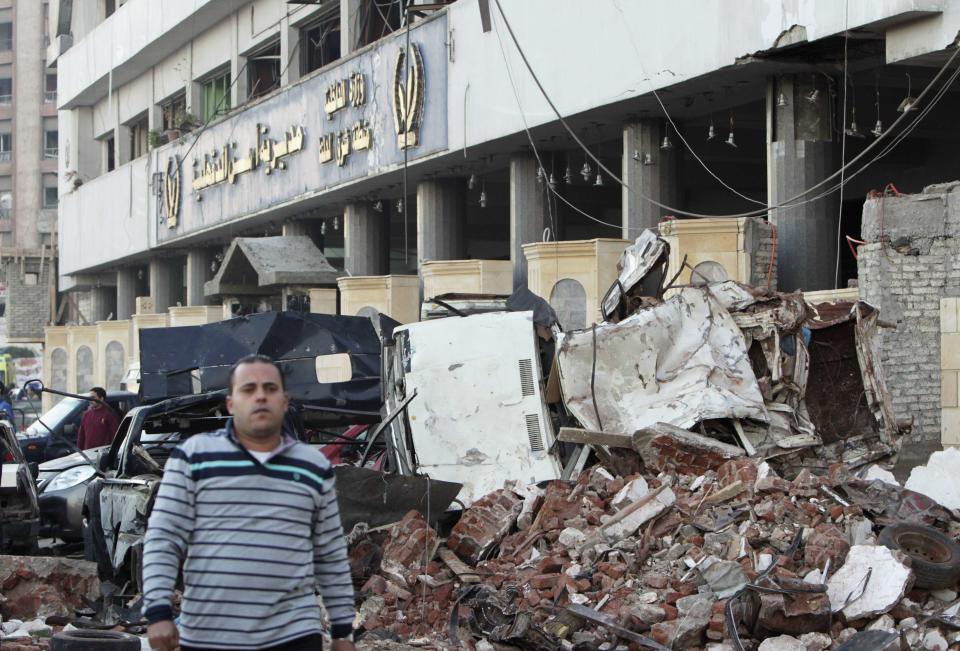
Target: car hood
(76, 459)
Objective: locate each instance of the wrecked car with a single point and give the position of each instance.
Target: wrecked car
(19, 511)
(62, 486)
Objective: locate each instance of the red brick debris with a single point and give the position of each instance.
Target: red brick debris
(675, 563)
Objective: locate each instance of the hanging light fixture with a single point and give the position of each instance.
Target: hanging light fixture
(908, 102)
(730, 140)
(647, 159)
(378, 206)
(483, 196)
(666, 144)
(336, 223)
(711, 132)
(814, 95)
(852, 130)
(567, 175)
(539, 174)
(599, 182)
(586, 171)
(399, 205)
(782, 100)
(877, 130)
(472, 182)
(323, 227)
(552, 181)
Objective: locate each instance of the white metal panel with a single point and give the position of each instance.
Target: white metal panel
(479, 416)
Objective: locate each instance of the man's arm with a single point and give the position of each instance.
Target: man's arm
(331, 568)
(165, 546)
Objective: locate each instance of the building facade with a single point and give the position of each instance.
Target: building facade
(29, 146)
(395, 138)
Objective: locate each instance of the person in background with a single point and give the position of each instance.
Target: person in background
(6, 409)
(99, 422)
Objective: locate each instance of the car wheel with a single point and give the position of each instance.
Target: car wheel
(934, 556)
(82, 640)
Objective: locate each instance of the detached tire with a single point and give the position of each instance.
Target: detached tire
(935, 556)
(94, 641)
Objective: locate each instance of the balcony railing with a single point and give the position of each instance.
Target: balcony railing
(6, 99)
(49, 97)
(50, 152)
(6, 156)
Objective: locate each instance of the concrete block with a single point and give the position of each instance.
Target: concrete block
(950, 426)
(950, 351)
(948, 389)
(948, 314)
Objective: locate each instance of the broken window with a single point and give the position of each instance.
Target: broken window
(263, 71)
(320, 43)
(174, 110)
(379, 19)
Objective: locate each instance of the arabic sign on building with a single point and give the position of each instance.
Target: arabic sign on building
(356, 120)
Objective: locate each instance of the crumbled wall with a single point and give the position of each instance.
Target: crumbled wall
(759, 241)
(912, 260)
(28, 305)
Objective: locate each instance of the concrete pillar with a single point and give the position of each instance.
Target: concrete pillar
(801, 153)
(289, 38)
(365, 240)
(161, 272)
(240, 88)
(528, 213)
(126, 293)
(654, 175)
(198, 272)
(441, 214)
(102, 304)
(349, 26)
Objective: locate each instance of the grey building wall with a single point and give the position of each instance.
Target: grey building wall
(760, 242)
(910, 261)
(28, 302)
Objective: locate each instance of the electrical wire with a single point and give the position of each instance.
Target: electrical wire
(666, 113)
(533, 146)
(791, 202)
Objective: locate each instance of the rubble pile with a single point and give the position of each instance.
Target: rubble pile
(695, 551)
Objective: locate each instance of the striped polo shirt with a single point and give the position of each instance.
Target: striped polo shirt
(254, 541)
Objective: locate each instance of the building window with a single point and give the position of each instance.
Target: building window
(263, 70)
(109, 6)
(6, 30)
(50, 138)
(320, 43)
(6, 87)
(6, 197)
(46, 24)
(139, 137)
(216, 97)
(109, 154)
(50, 198)
(50, 88)
(6, 142)
(174, 111)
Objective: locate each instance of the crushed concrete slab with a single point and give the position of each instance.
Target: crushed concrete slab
(725, 578)
(782, 643)
(876, 472)
(939, 479)
(664, 447)
(871, 582)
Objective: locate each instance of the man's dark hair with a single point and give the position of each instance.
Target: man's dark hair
(100, 391)
(254, 359)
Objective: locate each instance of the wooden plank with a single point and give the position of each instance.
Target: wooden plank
(463, 571)
(593, 437)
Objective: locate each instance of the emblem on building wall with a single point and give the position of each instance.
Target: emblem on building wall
(408, 96)
(171, 191)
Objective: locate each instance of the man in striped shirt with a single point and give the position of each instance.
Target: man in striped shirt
(251, 514)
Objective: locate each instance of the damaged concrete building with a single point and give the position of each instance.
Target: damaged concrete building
(444, 165)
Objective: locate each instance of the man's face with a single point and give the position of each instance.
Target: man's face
(257, 400)
(95, 404)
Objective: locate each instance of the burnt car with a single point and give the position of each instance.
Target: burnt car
(19, 511)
